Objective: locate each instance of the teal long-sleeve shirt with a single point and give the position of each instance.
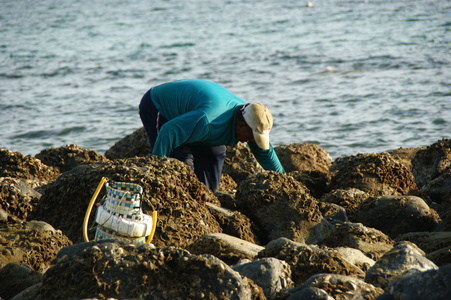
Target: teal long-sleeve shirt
(203, 113)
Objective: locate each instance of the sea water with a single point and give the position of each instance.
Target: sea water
(351, 76)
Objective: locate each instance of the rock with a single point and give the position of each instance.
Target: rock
(304, 157)
(427, 241)
(431, 162)
(343, 287)
(19, 166)
(271, 274)
(431, 284)
(240, 163)
(311, 293)
(405, 155)
(396, 215)
(439, 189)
(15, 278)
(236, 224)
(333, 213)
(68, 157)
(375, 174)
(404, 256)
(315, 181)
(17, 199)
(227, 184)
(133, 145)
(109, 269)
(170, 187)
(308, 260)
(355, 257)
(372, 242)
(225, 247)
(33, 243)
(281, 207)
(31, 292)
(350, 199)
(440, 257)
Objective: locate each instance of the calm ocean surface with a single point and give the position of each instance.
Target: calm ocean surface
(351, 76)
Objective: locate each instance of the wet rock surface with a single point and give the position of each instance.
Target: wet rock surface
(354, 228)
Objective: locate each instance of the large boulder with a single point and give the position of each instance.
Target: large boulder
(112, 269)
(68, 157)
(404, 256)
(282, 207)
(396, 215)
(375, 174)
(170, 187)
(304, 157)
(431, 284)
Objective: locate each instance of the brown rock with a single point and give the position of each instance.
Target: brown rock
(431, 162)
(304, 157)
(350, 199)
(281, 207)
(17, 198)
(170, 187)
(117, 270)
(376, 174)
(34, 244)
(19, 166)
(134, 144)
(372, 242)
(68, 157)
(240, 163)
(405, 155)
(308, 260)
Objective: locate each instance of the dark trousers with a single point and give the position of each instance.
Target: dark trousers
(206, 161)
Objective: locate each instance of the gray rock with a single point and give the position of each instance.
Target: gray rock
(356, 257)
(271, 274)
(432, 284)
(404, 256)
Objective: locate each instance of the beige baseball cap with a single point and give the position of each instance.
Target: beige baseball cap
(259, 118)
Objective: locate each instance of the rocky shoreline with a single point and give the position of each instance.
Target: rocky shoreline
(367, 226)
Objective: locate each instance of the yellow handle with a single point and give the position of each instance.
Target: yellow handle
(154, 226)
(88, 211)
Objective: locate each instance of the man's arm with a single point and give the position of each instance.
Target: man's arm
(266, 158)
